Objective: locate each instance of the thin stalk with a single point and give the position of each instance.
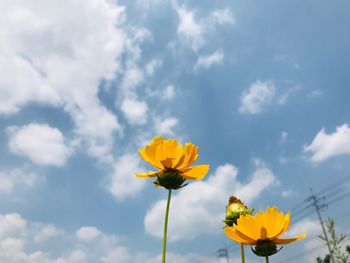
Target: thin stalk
(267, 259)
(242, 253)
(166, 226)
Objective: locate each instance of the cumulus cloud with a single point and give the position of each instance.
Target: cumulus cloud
(60, 62)
(67, 64)
(46, 232)
(202, 203)
(325, 146)
(122, 183)
(41, 143)
(89, 244)
(259, 95)
(88, 233)
(205, 62)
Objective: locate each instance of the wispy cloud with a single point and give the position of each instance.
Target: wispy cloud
(192, 29)
(205, 62)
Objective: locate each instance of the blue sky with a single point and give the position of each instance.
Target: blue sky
(261, 87)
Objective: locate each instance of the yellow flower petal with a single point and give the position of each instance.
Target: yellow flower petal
(151, 152)
(274, 222)
(286, 225)
(289, 240)
(238, 236)
(169, 156)
(247, 224)
(150, 160)
(150, 174)
(196, 172)
(268, 225)
(191, 154)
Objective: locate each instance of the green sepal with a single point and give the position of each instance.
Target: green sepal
(265, 248)
(170, 179)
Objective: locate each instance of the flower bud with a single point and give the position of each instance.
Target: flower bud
(170, 179)
(234, 210)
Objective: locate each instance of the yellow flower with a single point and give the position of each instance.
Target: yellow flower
(264, 230)
(173, 162)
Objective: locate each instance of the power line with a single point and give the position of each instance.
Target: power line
(339, 183)
(315, 203)
(339, 198)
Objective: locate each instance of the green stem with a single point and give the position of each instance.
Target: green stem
(267, 259)
(166, 227)
(242, 253)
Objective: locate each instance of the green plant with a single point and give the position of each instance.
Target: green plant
(336, 242)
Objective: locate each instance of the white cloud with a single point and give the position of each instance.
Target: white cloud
(284, 136)
(133, 77)
(123, 183)
(315, 93)
(313, 243)
(151, 66)
(12, 225)
(135, 111)
(189, 28)
(88, 244)
(283, 98)
(88, 233)
(9, 179)
(168, 93)
(325, 146)
(42, 144)
(60, 62)
(166, 126)
(259, 95)
(307, 225)
(148, 4)
(45, 232)
(202, 203)
(223, 16)
(287, 193)
(205, 62)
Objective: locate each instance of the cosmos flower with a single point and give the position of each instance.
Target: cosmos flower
(173, 162)
(263, 230)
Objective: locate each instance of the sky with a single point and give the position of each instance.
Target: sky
(261, 87)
